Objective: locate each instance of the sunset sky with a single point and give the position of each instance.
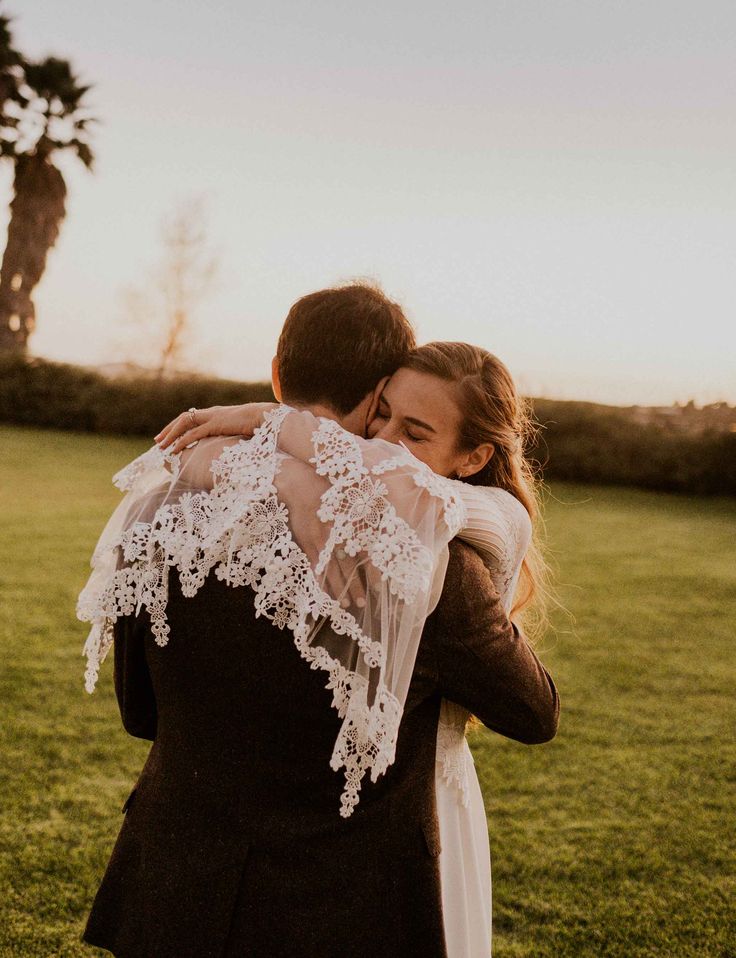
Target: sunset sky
(552, 180)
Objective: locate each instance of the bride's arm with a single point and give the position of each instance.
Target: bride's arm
(494, 521)
(189, 427)
(296, 436)
(499, 528)
(496, 524)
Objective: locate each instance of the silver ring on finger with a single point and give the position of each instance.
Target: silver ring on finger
(192, 417)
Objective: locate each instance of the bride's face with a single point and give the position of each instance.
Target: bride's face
(421, 411)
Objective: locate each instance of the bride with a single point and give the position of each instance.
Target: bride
(455, 407)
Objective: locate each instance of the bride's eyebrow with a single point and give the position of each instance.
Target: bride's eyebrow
(418, 422)
(408, 419)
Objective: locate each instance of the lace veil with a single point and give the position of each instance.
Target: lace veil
(343, 540)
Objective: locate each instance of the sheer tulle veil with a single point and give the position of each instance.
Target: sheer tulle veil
(343, 541)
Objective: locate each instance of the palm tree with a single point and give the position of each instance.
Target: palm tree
(10, 73)
(52, 119)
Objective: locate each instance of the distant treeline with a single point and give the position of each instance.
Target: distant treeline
(582, 442)
(36, 392)
(608, 445)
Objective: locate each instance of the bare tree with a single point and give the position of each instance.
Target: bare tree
(167, 306)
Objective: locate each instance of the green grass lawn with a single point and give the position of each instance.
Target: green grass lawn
(616, 839)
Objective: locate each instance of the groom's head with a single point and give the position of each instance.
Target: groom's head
(335, 348)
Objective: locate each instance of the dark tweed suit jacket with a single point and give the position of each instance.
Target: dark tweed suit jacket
(232, 843)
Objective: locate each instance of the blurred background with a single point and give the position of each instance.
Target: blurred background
(550, 179)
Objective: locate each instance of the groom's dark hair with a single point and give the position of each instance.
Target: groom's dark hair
(338, 343)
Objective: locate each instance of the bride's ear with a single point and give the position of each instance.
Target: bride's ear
(275, 381)
(475, 460)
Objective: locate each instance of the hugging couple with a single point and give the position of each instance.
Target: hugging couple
(308, 601)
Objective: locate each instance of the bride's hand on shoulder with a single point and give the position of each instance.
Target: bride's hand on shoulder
(195, 424)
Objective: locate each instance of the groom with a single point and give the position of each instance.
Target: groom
(231, 844)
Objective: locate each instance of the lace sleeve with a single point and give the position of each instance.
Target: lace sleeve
(498, 527)
(490, 519)
(332, 452)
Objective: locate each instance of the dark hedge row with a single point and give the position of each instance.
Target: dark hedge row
(586, 442)
(41, 393)
(581, 442)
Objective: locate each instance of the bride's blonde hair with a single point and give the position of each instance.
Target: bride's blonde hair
(492, 411)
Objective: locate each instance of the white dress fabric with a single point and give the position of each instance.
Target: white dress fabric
(498, 526)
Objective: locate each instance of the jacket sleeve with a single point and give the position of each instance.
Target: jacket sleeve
(484, 663)
(133, 686)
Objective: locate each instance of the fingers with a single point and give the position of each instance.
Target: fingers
(218, 421)
(191, 435)
(175, 428)
(183, 424)
(167, 427)
(194, 435)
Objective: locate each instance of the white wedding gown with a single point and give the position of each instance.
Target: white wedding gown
(499, 527)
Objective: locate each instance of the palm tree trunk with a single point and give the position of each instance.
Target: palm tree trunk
(36, 212)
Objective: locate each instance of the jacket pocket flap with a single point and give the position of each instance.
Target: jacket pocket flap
(432, 838)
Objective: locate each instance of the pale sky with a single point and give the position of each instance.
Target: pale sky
(552, 180)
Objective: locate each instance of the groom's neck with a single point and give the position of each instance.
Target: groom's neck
(352, 421)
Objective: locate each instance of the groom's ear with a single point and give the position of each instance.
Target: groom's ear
(275, 381)
(373, 405)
